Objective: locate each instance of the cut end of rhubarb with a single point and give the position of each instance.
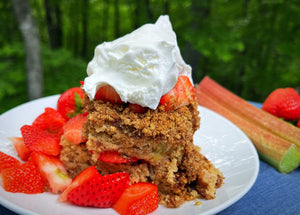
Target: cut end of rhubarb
(289, 162)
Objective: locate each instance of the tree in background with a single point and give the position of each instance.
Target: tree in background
(30, 35)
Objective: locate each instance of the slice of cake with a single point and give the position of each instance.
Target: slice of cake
(142, 115)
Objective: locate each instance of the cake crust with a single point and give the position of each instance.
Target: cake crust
(162, 141)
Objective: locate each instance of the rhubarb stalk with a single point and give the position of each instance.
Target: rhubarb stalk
(275, 150)
(248, 111)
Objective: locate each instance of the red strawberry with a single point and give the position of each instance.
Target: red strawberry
(51, 120)
(100, 191)
(69, 103)
(25, 178)
(137, 108)
(115, 157)
(108, 94)
(298, 123)
(37, 139)
(139, 198)
(81, 178)
(283, 103)
(7, 161)
(52, 170)
(73, 129)
(182, 94)
(22, 150)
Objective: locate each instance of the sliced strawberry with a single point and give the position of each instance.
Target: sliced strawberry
(283, 103)
(7, 161)
(137, 108)
(51, 120)
(100, 191)
(24, 178)
(53, 171)
(115, 157)
(22, 150)
(139, 198)
(182, 94)
(69, 103)
(36, 139)
(108, 94)
(81, 178)
(73, 129)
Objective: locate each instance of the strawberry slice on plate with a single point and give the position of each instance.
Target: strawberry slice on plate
(100, 191)
(51, 120)
(108, 94)
(69, 104)
(115, 157)
(37, 139)
(182, 94)
(139, 198)
(21, 148)
(52, 170)
(73, 129)
(81, 178)
(24, 178)
(7, 161)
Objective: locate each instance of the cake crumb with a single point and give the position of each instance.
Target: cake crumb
(198, 203)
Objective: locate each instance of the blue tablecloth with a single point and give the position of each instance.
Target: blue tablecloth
(273, 193)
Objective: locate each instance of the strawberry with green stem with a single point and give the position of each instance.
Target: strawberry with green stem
(69, 104)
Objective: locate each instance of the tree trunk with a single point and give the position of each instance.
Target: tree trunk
(85, 13)
(53, 20)
(31, 39)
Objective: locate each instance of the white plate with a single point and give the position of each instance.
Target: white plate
(221, 141)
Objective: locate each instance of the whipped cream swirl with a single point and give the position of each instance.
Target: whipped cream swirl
(141, 66)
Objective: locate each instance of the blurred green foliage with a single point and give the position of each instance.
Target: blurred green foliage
(250, 47)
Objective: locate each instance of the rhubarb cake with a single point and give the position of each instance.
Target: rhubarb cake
(142, 116)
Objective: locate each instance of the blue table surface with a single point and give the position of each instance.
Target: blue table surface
(272, 193)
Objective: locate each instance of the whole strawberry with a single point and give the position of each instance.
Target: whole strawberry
(69, 103)
(298, 123)
(283, 103)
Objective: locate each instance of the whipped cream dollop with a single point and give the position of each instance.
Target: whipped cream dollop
(141, 66)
